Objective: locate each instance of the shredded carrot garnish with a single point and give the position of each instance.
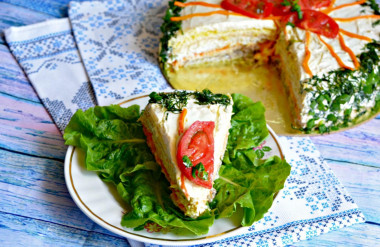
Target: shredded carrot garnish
(183, 187)
(354, 35)
(220, 12)
(337, 58)
(205, 53)
(183, 5)
(271, 18)
(331, 9)
(349, 51)
(357, 17)
(181, 121)
(305, 62)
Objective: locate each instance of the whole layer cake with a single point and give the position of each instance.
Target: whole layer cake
(329, 66)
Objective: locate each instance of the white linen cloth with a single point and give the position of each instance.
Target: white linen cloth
(118, 44)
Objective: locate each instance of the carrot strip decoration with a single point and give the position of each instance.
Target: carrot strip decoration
(349, 51)
(331, 9)
(354, 35)
(183, 187)
(305, 62)
(357, 17)
(181, 121)
(220, 12)
(337, 58)
(204, 4)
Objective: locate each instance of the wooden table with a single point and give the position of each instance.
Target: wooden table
(35, 206)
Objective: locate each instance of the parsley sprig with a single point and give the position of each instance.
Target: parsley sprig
(295, 7)
(176, 101)
(197, 171)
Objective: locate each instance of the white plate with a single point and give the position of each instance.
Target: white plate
(101, 203)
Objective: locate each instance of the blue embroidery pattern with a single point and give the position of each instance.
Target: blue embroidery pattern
(119, 41)
(44, 46)
(47, 57)
(58, 111)
(85, 97)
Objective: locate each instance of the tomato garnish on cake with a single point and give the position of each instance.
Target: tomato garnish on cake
(188, 132)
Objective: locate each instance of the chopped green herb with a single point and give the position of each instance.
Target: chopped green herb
(290, 24)
(176, 101)
(200, 171)
(267, 148)
(295, 7)
(259, 153)
(169, 29)
(373, 5)
(186, 161)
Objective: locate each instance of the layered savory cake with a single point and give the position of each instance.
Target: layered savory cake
(327, 52)
(187, 133)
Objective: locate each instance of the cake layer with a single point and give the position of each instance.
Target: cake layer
(217, 37)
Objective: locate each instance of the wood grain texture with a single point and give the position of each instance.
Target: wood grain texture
(35, 188)
(12, 15)
(23, 231)
(12, 78)
(56, 8)
(363, 184)
(27, 128)
(356, 235)
(359, 145)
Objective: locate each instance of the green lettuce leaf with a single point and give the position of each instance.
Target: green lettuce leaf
(111, 138)
(248, 126)
(251, 188)
(246, 181)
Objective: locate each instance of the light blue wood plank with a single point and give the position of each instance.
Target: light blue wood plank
(26, 127)
(356, 235)
(35, 188)
(363, 184)
(12, 15)
(20, 231)
(12, 79)
(57, 8)
(358, 145)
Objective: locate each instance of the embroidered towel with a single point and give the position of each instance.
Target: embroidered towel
(49, 56)
(118, 42)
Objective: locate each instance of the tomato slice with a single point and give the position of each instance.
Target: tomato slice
(314, 4)
(319, 23)
(314, 21)
(279, 9)
(252, 8)
(197, 143)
